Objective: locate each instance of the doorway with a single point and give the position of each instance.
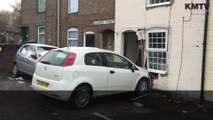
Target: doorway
(131, 47)
(108, 40)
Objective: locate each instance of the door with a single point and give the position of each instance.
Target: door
(96, 70)
(120, 76)
(108, 40)
(21, 58)
(30, 67)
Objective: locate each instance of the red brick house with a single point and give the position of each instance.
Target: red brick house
(69, 22)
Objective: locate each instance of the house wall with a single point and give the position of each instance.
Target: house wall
(209, 59)
(184, 42)
(31, 18)
(89, 11)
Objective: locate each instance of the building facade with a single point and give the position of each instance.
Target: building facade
(69, 22)
(165, 37)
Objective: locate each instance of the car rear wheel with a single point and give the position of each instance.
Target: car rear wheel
(142, 87)
(16, 72)
(81, 97)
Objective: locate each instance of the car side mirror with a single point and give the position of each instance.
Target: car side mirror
(34, 56)
(133, 68)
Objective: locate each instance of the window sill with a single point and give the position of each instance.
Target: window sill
(158, 5)
(157, 71)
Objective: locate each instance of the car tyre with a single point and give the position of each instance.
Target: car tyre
(16, 72)
(81, 97)
(142, 87)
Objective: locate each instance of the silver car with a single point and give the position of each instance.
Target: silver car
(27, 57)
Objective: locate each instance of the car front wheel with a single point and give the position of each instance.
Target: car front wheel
(142, 87)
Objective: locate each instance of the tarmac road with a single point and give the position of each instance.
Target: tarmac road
(19, 102)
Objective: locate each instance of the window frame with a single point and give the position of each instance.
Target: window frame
(41, 33)
(157, 4)
(163, 50)
(70, 9)
(72, 39)
(38, 6)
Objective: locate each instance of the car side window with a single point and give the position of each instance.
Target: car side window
(24, 50)
(32, 51)
(117, 61)
(93, 59)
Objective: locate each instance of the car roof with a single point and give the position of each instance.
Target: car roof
(43, 45)
(84, 49)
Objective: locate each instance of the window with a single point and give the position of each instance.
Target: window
(73, 6)
(117, 61)
(89, 39)
(72, 36)
(24, 50)
(41, 5)
(93, 59)
(32, 51)
(158, 2)
(41, 35)
(157, 50)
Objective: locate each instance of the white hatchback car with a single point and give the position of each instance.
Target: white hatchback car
(79, 73)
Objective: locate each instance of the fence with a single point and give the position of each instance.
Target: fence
(7, 54)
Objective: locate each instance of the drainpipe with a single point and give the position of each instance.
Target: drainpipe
(58, 23)
(202, 97)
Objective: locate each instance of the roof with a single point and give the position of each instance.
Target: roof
(36, 44)
(84, 49)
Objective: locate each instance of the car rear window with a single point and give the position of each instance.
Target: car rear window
(56, 58)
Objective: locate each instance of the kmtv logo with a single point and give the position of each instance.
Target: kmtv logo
(196, 6)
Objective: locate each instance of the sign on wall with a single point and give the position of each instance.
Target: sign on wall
(103, 22)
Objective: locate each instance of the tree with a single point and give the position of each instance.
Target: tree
(9, 23)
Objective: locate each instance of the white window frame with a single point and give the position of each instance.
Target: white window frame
(41, 33)
(40, 10)
(156, 30)
(72, 39)
(69, 7)
(157, 4)
(87, 33)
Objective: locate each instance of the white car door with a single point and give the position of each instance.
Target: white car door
(96, 70)
(120, 76)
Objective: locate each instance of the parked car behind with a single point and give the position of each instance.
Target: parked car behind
(79, 73)
(27, 56)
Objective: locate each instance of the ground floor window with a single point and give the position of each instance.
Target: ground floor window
(41, 34)
(156, 47)
(72, 37)
(89, 39)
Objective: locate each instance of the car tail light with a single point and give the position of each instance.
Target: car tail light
(43, 56)
(70, 60)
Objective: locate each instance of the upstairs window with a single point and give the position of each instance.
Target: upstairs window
(72, 37)
(72, 6)
(158, 2)
(157, 50)
(41, 5)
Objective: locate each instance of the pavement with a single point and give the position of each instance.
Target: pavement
(185, 109)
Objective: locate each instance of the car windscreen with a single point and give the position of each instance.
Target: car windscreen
(56, 58)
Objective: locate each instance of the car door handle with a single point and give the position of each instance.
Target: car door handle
(112, 72)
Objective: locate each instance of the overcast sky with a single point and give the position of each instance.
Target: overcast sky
(5, 4)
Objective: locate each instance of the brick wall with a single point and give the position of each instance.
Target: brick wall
(6, 57)
(89, 11)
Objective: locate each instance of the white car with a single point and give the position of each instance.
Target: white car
(79, 73)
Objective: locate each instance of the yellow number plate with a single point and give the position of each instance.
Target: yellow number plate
(43, 84)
